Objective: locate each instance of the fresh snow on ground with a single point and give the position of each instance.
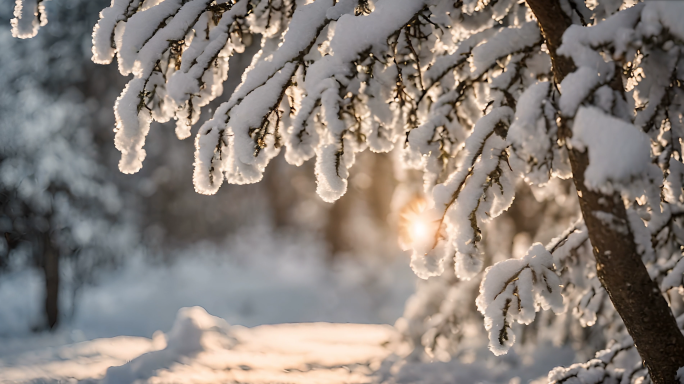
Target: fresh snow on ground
(214, 292)
(201, 348)
(257, 277)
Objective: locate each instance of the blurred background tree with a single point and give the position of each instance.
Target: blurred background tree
(61, 210)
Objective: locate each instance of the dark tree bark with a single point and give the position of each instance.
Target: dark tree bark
(636, 297)
(334, 231)
(51, 270)
(280, 194)
(379, 195)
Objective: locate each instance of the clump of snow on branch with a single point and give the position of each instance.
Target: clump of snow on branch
(29, 16)
(618, 151)
(675, 278)
(533, 135)
(513, 291)
(504, 43)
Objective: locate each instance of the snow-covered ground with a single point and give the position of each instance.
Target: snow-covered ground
(123, 329)
(201, 348)
(254, 278)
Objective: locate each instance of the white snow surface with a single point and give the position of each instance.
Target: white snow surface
(201, 348)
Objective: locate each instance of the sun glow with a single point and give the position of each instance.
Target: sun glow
(419, 229)
(417, 225)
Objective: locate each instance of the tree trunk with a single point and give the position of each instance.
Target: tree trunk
(636, 297)
(334, 231)
(383, 183)
(51, 271)
(280, 195)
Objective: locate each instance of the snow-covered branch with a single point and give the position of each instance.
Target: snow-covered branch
(513, 291)
(29, 16)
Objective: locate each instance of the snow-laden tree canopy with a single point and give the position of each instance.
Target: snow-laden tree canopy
(474, 93)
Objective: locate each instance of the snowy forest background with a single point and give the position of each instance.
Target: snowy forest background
(476, 111)
(136, 248)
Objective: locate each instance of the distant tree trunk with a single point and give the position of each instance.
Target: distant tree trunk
(335, 233)
(50, 266)
(381, 188)
(280, 193)
(635, 296)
